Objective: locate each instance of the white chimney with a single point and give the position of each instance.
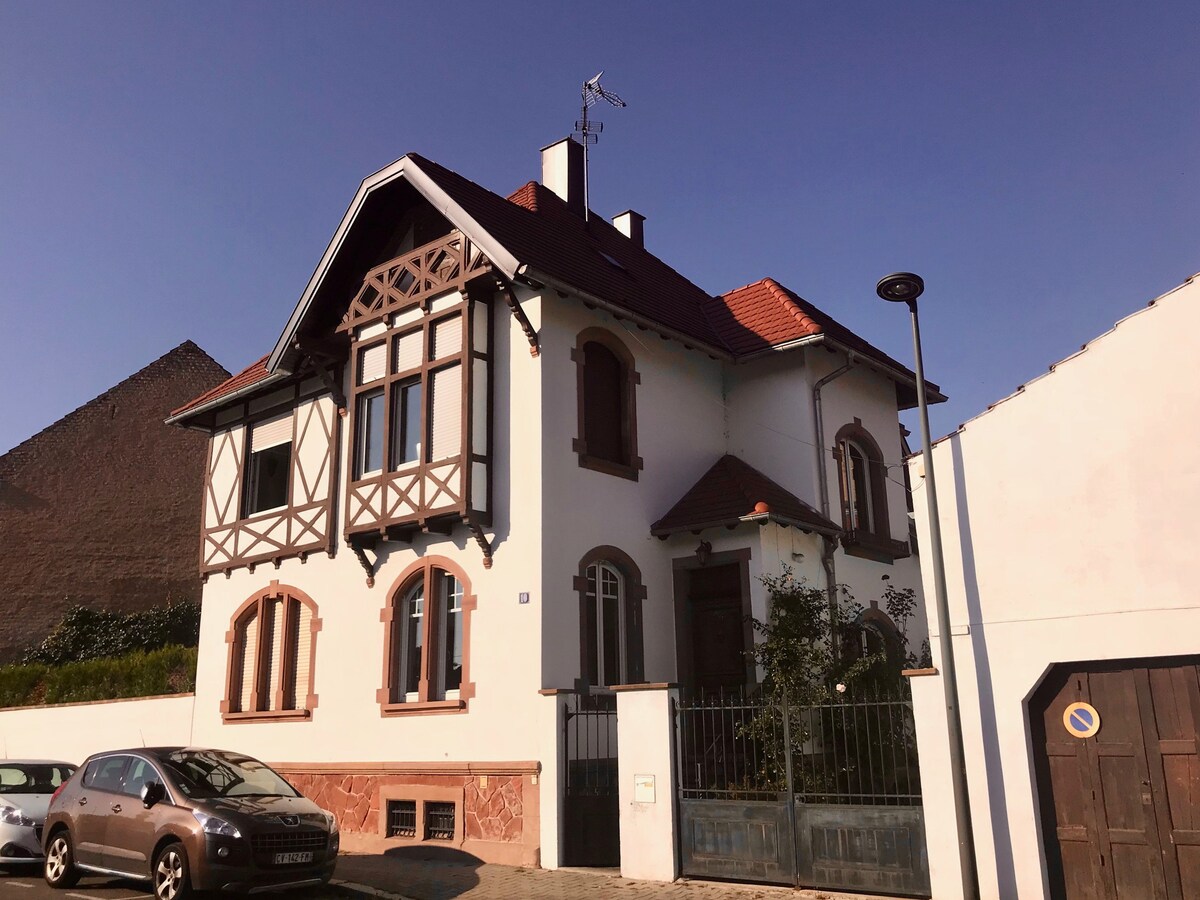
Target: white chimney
(562, 172)
(629, 223)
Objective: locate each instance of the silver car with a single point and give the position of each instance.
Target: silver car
(26, 786)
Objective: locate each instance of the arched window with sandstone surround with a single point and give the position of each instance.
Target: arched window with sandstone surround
(272, 643)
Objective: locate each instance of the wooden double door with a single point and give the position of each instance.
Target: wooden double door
(1121, 807)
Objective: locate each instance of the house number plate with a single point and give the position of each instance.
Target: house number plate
(287, 859)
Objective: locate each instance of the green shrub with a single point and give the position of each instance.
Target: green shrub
(168, 670)
(86, 633)
(22, 685)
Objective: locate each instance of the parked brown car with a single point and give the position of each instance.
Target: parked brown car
(187, 819)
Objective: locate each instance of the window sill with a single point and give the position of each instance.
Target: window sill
(608, 467)
(418, 708)
(275, 715)
(258, 515)
(876, 547)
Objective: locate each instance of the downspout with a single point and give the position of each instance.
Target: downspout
(828, 542)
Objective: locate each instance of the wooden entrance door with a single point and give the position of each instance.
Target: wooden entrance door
(1121, 809)
(718, 628)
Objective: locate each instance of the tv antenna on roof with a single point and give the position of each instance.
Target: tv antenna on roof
(587, 130)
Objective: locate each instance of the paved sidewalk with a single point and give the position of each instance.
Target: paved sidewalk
(449, 875)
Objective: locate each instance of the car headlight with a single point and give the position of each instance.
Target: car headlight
(10, 815)
(215, 825)
(332, 820)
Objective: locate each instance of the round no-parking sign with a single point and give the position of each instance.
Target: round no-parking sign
(1081, 720)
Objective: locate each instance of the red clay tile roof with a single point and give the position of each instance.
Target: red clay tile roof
(766, 314)
(730, 490)
(248, 376)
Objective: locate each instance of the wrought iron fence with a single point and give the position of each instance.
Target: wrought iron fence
(590, 733)
(858, 750)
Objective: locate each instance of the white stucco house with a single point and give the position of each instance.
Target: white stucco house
(499, 454)
(1067, 511)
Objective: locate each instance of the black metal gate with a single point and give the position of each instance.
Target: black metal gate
(591, 811)
(823, 796)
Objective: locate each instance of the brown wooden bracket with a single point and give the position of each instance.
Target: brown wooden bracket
(335, 389)
(484, 544)
(360, 554)
(510, 297)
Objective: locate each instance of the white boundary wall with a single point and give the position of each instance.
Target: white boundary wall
(1068, 513)
(73, 731)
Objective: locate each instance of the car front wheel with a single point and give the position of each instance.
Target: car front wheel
(59, 870)
(171, 880)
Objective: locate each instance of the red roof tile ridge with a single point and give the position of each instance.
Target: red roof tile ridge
(244, 378)
(784, 296)
(525, 196)
(745, 287)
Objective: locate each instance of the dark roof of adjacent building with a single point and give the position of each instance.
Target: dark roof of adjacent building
(733, 492)
(188, 357)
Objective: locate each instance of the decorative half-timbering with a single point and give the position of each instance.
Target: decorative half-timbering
(420, 408)
(268, 491)
(443, 265)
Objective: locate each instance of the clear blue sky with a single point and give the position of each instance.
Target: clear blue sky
(174, 171)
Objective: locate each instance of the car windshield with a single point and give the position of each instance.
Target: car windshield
(213, 773)
(32, 778)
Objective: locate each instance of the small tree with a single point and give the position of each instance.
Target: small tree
(796, 652)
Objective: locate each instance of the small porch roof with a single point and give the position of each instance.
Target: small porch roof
(733, 492)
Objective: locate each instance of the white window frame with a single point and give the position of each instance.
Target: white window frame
(851, 487)
(594, 575)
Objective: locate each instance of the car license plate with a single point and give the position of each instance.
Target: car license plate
(287, 859)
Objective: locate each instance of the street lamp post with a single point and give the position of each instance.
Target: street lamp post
(905, 287)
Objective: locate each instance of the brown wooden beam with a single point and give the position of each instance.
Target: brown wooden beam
(484, 544)
(510, 297)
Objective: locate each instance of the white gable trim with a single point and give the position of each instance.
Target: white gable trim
(409, 170)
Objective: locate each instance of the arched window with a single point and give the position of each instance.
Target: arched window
(862, 481)
(272, 651)
(427, 627)
(858, 500)
(606, 384)
(610, 611)
(873, 632)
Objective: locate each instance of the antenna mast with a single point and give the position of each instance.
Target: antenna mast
(589, 131)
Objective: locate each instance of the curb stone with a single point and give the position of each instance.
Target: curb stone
(358, 891)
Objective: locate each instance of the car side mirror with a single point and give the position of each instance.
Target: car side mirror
(152, 792)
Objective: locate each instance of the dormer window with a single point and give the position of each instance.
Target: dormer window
(269, 459)
(606, 382)
(862, 479)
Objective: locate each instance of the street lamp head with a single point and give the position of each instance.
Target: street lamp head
(900, 287)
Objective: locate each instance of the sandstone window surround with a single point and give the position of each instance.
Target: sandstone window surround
(431, 814)
(862, 483)
(606, 387)
(270, 672)
(427, 627)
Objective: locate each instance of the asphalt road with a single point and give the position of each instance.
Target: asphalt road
(27, 884)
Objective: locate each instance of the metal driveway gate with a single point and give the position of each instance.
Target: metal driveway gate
(823, 796)
(591, 811)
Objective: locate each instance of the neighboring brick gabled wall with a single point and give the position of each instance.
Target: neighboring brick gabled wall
(103, 507)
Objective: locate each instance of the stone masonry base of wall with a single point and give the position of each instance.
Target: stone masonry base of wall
(496, 816)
